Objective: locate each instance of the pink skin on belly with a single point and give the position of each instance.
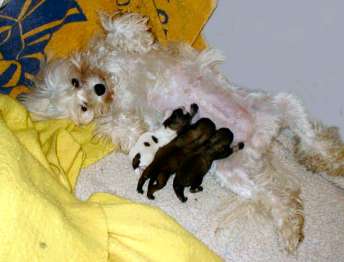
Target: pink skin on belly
(218, 104)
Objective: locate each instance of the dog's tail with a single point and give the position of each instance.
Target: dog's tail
(318, 148)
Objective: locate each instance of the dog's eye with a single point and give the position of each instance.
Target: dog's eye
(75, 83)
(99, 89)
(83, 108)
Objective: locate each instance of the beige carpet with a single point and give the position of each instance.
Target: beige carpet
(246, 237)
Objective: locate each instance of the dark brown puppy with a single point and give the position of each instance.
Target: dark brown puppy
(178, 122)
(195, 166)
(168, 158)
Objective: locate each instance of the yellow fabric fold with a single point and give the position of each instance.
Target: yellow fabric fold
(42, 221)
(143, 233)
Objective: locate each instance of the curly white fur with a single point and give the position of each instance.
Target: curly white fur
(149, 79)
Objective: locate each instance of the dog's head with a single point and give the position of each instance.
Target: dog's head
(93, 91)
(70, 88)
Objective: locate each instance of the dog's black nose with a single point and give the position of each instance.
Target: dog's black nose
(99, 89)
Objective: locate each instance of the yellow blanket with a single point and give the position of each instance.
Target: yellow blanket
(42, 221)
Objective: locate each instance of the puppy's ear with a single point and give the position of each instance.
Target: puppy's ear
(167, 114)
(167, 122)
(194, 109)
(136, 161)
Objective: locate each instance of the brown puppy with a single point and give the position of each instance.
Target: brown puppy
(143, 152)
(169, 157)
(195, 166)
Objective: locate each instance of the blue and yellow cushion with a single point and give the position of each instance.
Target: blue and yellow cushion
(25, 29)
(32, 30)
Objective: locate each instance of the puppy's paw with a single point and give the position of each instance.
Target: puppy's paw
(140, 190)
(196, 189)
(184, 199)
(150, 196)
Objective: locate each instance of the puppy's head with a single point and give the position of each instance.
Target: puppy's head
(219, 144)
(180, 118)
(70, 88)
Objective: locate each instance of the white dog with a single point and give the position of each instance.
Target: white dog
(141, 79)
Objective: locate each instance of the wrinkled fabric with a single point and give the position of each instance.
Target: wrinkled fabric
(41, 220)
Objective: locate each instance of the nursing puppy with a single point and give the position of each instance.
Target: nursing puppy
(143, 152)
(198, 163)
(168, 158)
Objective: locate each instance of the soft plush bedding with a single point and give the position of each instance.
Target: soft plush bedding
(245, 235)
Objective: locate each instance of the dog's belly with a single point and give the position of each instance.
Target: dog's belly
(218, 104)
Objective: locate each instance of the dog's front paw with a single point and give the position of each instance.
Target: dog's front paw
(128, 32)
(140, 190)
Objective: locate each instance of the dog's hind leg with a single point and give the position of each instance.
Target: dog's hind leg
(256, 180)
(328, 157)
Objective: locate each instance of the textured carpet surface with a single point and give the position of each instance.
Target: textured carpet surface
(244, 236)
